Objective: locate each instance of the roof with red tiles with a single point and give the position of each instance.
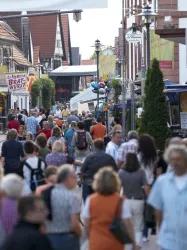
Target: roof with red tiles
(19, 58)
(5, 34)
(43, 33)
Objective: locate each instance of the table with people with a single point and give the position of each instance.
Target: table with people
(121, 185)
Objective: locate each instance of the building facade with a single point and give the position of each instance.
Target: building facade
(171, 20)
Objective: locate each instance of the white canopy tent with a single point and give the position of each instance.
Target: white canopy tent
(80, 101)
(80, 70)
(35, 5)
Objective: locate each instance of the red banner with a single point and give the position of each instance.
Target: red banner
(166, 64)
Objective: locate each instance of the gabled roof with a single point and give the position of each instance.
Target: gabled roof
(15, 24)
(43, 33)
(19, 58)
(5, 34)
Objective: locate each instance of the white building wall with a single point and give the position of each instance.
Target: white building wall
(182, 52)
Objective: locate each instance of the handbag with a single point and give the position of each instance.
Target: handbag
(118, 227)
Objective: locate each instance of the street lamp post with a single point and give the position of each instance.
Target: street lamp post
(148, 14)
(97, 51)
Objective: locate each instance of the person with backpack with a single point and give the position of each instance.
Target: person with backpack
(32, 169)
(82, 142)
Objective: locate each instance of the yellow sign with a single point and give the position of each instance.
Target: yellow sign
(107, 67)
(45, 76)
(162, 50)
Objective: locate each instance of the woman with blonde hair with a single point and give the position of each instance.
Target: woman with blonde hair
(101, 208)
(55, 136)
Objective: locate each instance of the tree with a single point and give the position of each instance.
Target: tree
(155, 115)
(144, 119)
(48, 92)
(35, 93)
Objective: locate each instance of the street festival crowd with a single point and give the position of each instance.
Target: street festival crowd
(63, 176)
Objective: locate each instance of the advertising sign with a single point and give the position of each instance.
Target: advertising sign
(133, 37)
(107, 67)
(162, 50)
(183, 110)
(16, 81)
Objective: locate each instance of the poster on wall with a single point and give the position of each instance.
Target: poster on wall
(162, 50)
(16, 81)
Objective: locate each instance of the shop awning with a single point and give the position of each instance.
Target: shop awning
(80, 70)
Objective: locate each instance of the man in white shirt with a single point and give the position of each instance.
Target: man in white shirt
(58, 112)
(113, 145)
(33, 169)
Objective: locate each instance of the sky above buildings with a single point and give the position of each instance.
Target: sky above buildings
(102, 24)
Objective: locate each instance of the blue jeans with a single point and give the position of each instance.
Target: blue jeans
(64, 241)
(87, 189)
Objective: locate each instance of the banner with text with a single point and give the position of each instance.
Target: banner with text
(162, 50)
(16, 81)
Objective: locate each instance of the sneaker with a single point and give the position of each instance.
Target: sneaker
(145, 239)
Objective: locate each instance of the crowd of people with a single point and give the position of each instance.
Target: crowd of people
(47, 157)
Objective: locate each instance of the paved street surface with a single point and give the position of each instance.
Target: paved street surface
(147, 246)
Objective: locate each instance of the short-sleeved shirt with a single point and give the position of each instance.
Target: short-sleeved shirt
(64, 204)
(127, 147)
(84, 152)
(132, 183)
(32, 125)
(12, 151)
(33, 162)
(125, 213)
(98, 131)
(112, 149)
(56, 159)
(72, 118)
(167, 197)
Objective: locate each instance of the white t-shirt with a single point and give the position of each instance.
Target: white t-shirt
(59, 113)
(125, 213)
(112, 149)
(149, 170)
(33, 162)
(180, 181)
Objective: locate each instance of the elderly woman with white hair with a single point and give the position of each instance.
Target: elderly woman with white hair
(10, 187)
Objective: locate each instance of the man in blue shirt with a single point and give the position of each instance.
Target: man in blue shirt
(32, 125)
(169, 198)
